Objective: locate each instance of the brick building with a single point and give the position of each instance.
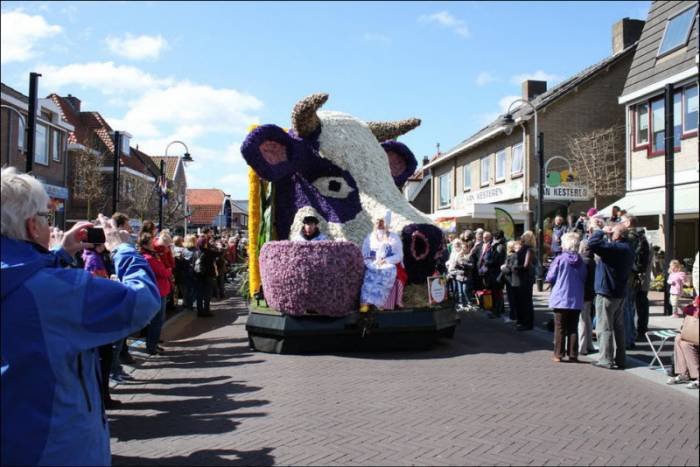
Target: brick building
(50, 162)
(493, 169)
(93, 137)
(210, 207)
(667, 54)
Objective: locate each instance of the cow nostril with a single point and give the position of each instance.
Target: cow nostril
(420, 247)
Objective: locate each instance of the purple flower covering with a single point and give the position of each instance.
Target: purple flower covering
(322, 277)
(402, 162)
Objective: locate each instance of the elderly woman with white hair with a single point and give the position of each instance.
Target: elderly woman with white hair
(568, 274)
(384, 276)
(53, 319)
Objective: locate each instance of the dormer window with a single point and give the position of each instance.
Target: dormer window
(125, 145)
(677, 31)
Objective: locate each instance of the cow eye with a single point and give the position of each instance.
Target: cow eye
(333, 187)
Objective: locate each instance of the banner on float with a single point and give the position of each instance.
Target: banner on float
(437, 289)
(505, 222)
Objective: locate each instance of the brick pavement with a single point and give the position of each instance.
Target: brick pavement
(491, 396)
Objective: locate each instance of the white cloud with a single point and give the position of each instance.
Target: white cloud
(446, 20)
(505, 101)
(105, 76)
(192, 110)
(538, 75)
(484, 78)
(137, 47)
(376, 37)
(21, 33)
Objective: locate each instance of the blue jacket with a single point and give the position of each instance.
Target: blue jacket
(613, 270)
(52, 320)
(568, 274)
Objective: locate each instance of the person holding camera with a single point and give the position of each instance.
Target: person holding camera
(53, 319)
(611, 281)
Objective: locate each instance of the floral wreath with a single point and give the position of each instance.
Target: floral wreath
(419, 235)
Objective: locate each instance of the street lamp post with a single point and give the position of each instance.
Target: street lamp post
(31, 119)
(115, 170)
(186, 158)
(508, 124)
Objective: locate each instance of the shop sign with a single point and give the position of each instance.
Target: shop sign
(564, 192)
(493, 194)
(56, 191)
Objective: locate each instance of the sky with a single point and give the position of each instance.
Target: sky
(202, 72)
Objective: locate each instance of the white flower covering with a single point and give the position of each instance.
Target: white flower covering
(350, 144)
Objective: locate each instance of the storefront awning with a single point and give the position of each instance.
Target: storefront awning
(653, 202)
(518, 211)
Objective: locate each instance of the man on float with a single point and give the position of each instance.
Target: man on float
(384, 274)
(309, 231)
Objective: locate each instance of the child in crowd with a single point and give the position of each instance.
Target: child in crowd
(676, 279)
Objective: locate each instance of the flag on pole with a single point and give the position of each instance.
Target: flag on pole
(163, 186)
(505, 223)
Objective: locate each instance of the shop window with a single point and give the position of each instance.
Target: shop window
(677, 31)
(445, 183)
(467, 176)
(690, 109)
(501, 165)
(41, 155)
(485, 170)
(516, 166)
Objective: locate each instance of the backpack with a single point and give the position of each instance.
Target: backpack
(198, 262)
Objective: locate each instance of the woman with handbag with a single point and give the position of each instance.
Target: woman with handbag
(685, 349)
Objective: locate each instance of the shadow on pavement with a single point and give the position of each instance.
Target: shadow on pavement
(261, 457)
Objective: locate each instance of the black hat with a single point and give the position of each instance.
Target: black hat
(310, 220)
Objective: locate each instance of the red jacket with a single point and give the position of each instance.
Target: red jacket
(162, 273)
(165, 254)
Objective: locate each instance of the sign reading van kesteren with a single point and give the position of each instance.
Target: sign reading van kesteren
(501, 192)
(564, 192)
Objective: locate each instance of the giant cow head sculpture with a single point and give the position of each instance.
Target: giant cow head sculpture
(345, 172)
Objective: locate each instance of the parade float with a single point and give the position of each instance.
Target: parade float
(345, 173)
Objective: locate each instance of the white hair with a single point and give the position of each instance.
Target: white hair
(570, 241)
(23, 196)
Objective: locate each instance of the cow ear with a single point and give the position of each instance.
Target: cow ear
(269, 150)
(402, 162)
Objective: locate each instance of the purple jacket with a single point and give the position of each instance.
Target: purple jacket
(568, 274)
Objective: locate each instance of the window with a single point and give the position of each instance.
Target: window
(677, 31)
(20, 135)
(445, 190)
(516, 166)
(485, 170)
(690, 109)
(657, 125)
(501, 165)
(56, 146)
(467, 176)
(125, 145)
(41, 155)
(642, 125)
(677, 119)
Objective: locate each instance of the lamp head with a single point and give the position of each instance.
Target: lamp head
(187, 158)
(507, 123)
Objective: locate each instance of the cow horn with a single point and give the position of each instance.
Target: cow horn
(391, 130)
(304, 118)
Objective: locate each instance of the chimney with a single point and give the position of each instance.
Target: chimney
(74, 102)
(625, 33)
(425, 160)
(532, 89)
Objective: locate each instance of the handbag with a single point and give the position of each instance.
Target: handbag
(689, 330)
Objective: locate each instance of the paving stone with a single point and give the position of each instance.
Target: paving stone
(490, 396)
